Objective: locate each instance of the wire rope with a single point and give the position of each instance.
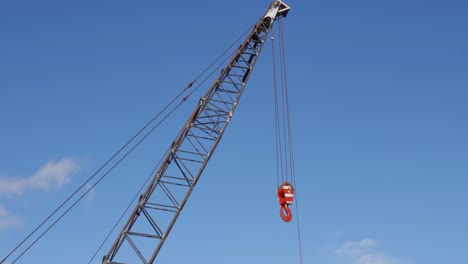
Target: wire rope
(117, 153)
(97, 182)
(152, 173)
(283, 129)
(291, 152)
(93, 175)
(149, 177)
(279, 164)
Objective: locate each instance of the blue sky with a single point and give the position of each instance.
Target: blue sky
(378, 96)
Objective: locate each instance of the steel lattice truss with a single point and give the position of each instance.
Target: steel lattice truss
(159, 206)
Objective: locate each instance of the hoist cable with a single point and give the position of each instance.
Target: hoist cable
(291, 155)
(105, 174)
(115, 165)
(298, 228)
(284, 130)
(283, 105)
(118, 152)
(97, 182)
(152, 173)
(288, 112)
(284, 143)
(283, 113)
(93, 175)
(279, 164)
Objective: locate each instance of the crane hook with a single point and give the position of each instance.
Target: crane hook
(285, 197)
(285, 213)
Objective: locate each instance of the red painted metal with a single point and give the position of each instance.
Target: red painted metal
(285, 197)
(285, 213)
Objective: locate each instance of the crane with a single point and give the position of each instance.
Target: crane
(160, 205)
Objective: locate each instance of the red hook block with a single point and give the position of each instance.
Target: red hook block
(285, 197)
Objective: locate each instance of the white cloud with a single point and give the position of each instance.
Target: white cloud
(365, 252)
(53, 174)
(375, 258)
(356, 247)
(7, 219)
